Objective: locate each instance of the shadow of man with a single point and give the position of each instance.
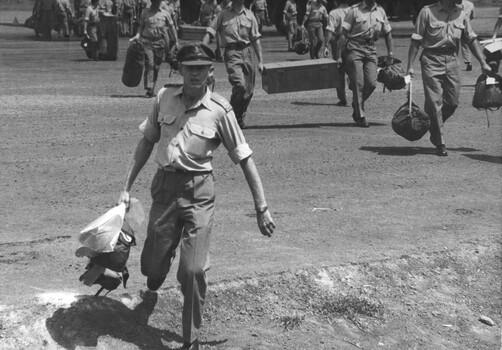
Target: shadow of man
(89, 318)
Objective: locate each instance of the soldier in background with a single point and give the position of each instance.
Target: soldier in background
(360, 29)
(290, 20)
(207, 12)
(91, 22)
(156, 27)
(238, 29)
(128, 15)
(260, 10)
(333, 32)
(315, 18)
(468, 8)
(63, 13)
(45, 11)
(224, 4)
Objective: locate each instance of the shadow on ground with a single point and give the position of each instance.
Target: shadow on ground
(411, 151)
(89, 318)
(485, 158)
(308, 126)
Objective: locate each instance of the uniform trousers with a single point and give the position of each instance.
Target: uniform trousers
(241, 75)
(441, 79)
(261, 18)
(291, 29)
(316, 38)
(181, 214)
(46, 23)
(361, 67)
(340, 90)
(154, 55)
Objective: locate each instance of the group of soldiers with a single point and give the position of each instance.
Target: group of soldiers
(60, 15)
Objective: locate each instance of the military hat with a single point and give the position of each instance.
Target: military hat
(195, 54)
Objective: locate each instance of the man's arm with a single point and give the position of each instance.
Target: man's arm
(478, 53)
(141, 155)
(390, 47)
(340, 45)
(257, 49)
(265, 221)
(412, 55)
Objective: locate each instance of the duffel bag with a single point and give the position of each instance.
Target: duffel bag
(134, 64)
(488, 92)
(410, 121)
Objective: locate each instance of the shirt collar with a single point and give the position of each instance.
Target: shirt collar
(454, 8)
(233, 9)
(205, 101)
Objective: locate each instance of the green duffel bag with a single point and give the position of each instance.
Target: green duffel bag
(134, 64)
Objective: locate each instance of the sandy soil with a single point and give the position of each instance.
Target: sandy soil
(380, 244)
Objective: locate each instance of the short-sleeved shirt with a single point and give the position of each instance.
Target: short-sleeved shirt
(335, 19)
(365, 23)
(259, 5)
(92, 15)
(187, 138)
(439, 28)
(207, 10)
(290, 10)
(62, 6)
(155, 23)
(235, 28)
(316, 13)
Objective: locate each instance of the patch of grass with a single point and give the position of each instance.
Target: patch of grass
(291, 322)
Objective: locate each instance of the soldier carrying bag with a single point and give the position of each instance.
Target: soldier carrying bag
(410, 121)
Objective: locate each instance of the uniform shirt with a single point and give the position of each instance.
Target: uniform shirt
(105, 7)
(468, 8)
(440, 28)
(335, 19)
(92, 15)
(259, 5)
(188, 137)
(233, 27)
(155, 24)
(363, 22)
(62, 6)
(316, 13)
(290, 10)
(207, 10)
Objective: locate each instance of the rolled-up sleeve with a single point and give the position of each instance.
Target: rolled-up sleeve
(349, 19)
(213, 28)
(468, 33)
(233, 139)
(386, 25)
(150, 127)
(255, 33)
(418, 34)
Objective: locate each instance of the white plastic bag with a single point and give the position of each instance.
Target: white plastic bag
(102, 234)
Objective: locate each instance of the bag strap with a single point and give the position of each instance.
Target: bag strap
(409, 95)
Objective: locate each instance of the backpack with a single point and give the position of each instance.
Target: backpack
(109, 269)
(391, 76)
(410, 121)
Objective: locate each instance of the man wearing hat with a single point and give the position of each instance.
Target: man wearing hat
(238, 31)
(189, 122)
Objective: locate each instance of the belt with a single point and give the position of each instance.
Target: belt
(363, 41)
(236, 46)
(184, 171)
(441, 51)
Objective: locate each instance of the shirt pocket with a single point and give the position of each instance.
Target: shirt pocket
(436, 30)
(458, 29)
(200, 141)
(244, 28)
(166, 122)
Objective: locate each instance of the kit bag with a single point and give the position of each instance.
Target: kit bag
(410, 121)
(134, 64)
(85, 43)
(302, 46)
(109, 269)
(488, 92)
(391, 75)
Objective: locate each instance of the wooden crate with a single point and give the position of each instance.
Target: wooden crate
(194, 33)
(300, 76)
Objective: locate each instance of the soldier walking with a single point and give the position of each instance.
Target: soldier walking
(238, 30)
(315, 18)
(440, 28)
(360, 29)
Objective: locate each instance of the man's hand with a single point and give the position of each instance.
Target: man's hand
(265, 223)
(124, 198)
(411, 72)
(485, 68)
(326, 52)
(260, 67)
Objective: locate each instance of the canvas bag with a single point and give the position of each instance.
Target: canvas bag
(410, 121)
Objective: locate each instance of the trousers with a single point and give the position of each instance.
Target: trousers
(361, 67)
(181, 215)
(154, 55)
(441, 79)
(241, 75)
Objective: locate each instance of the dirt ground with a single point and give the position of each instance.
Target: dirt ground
(379, 245)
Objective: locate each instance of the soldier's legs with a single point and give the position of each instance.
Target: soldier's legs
(355, 71)
(433, 93)
(241, 75)
(320, 40)
(311, 30)
(451, 91)
(194, 250)
(370, 75)
(149, 68)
